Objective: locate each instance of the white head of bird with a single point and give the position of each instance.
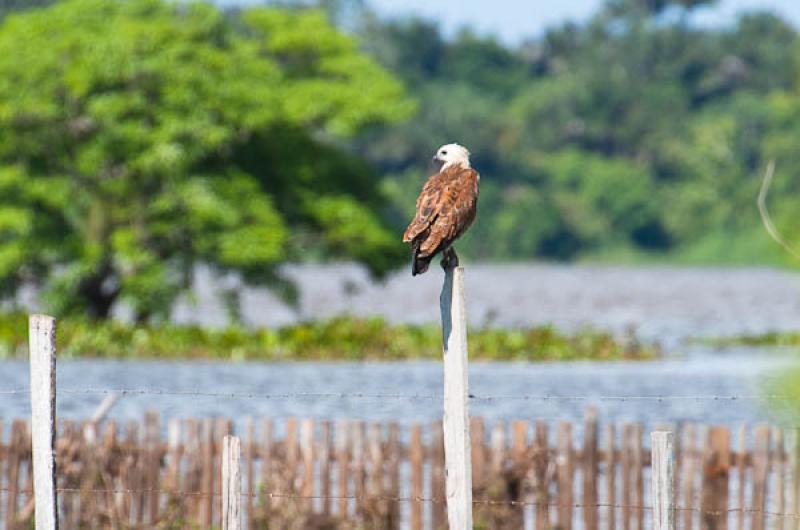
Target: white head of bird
(452, 155)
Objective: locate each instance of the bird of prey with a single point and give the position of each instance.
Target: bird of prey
(445, 209)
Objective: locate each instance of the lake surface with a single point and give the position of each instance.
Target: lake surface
(693, 383)
(665, 303)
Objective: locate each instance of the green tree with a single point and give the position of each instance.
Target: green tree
(139, 138)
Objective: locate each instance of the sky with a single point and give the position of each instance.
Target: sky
(513, 20)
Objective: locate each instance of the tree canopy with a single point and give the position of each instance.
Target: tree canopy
(637, 133)
(140, 137)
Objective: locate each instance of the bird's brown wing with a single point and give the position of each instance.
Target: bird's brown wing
(428, 206)
(445, 209)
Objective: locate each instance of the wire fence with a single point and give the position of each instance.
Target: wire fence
(406, 499)
(433, 397)
(367, 471)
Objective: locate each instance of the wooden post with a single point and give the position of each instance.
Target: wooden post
(42, 342)
(663, 470)
(456, 394)
(231, 483)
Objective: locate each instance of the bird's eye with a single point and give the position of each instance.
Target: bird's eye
(444, 152)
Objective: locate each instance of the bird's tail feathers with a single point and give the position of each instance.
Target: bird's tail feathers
(420, 264)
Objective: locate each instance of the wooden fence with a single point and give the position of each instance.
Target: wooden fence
(321, 475)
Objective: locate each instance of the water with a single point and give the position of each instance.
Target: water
(693, 383)
(664, 303)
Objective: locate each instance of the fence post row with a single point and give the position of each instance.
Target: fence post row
(42, 345)
(458, 451)
(662, 480)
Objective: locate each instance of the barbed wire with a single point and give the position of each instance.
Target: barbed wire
(396, 498)
(368, 395)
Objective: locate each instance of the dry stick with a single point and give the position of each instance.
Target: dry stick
(267, 481)
(231, 483)
(663, 486)
(111, 449)
(688, 475)
(716, 466)
(152, 439)
(393, 448)
(89, 467)
(291, 452)
(173, 450)
(760, 475)
(325, 466)
(250, 449)
(12, 469)
(677, 441)
(611, 472)
(438, 516)
(359, 485)
(478, 439)
(307, 449)
(627, 489)
(795, 458)
(590, 469)
(104, 408)
(565, 472)
(777, 462)
(376, 483)
(42, 342)
(193, 480)
(342, 468)
(130, 478)
(417, 480)
(3, 450)
(541, 462)
(638, 468)
(741, 470)
(519, 449)
(456, 394)
(498, 449)
(479, 454)
(208, 473)
(765, 217)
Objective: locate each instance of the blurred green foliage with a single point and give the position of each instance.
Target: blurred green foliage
(140, 137)
(343, 339)
(637, 134)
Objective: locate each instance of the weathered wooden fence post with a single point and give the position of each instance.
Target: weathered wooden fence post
(42, 344)
(458, 450)
(663, 471)
(231, 483)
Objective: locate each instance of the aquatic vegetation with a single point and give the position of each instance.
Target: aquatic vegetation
(345, 338)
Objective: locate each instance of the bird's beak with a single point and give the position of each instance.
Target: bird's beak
(436, 163)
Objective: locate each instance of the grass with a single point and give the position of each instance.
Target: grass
(772, 338)
(343, 339)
